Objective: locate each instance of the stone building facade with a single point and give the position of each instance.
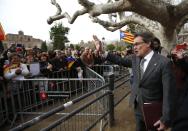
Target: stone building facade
(26, 40)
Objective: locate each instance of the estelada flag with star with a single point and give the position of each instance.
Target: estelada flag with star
(126, 37)
(2, 33)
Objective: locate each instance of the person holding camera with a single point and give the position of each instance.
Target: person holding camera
(179, 57)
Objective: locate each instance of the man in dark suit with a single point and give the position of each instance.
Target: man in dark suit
(155, 85)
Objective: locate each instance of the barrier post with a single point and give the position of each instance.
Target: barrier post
(111, 99)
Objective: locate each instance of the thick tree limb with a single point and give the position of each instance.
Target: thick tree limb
(135, 18)
(156, 10)
(180, 14)
(108, 8)
(181, 11)
(181, 23)
(86, 4)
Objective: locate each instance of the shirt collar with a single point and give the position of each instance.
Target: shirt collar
(149, 55)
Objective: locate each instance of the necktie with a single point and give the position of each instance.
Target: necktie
(142, 68)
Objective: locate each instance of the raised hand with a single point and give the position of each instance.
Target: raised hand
(98, 44)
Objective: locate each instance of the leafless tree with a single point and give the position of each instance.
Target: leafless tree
(161, 17)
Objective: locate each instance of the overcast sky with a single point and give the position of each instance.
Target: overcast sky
(30, 16)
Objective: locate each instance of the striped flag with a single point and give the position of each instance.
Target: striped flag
(126, 37)
(2, 33)
(70, 61)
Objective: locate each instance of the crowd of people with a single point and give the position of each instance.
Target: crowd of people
(15, 61)
(162, 77)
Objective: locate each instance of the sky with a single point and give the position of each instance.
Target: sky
(31, 16)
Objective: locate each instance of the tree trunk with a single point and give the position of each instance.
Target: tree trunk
(168, 40)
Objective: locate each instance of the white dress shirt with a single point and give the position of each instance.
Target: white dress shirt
(147, 59)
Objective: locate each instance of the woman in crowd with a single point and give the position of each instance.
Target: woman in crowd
(45, 67)
(15, 70)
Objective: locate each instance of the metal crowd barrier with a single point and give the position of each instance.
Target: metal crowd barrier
(58, 74)
(106, 70)
(63, 74)
(82, 113)
(29, 98)
(3, 104)
(68, 101)
(90, 111)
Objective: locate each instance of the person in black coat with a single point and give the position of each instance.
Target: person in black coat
(180, 59)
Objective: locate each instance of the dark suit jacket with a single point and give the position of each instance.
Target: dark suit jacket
(181, 121)
(157, 84)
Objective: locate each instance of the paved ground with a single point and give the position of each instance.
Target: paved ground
(124, 118)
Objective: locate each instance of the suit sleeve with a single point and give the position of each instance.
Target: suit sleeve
(127, 61)
(169, 94)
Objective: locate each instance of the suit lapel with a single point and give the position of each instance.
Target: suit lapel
(138, 67)
(151, 66)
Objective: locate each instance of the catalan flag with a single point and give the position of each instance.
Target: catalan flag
(2, 33)
(126, 37)
(70, 61)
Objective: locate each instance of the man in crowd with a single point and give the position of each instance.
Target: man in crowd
(153, 80)
(156, 46)
(87, 57)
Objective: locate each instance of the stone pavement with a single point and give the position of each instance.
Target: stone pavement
(124, 117)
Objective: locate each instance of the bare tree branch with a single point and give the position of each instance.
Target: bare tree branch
(108, 8)
(66, 15)
(112, 28)
(148, 9)
(85, 3)
(134, 18)
(89, 7)
(59, 16)
(53, 2)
